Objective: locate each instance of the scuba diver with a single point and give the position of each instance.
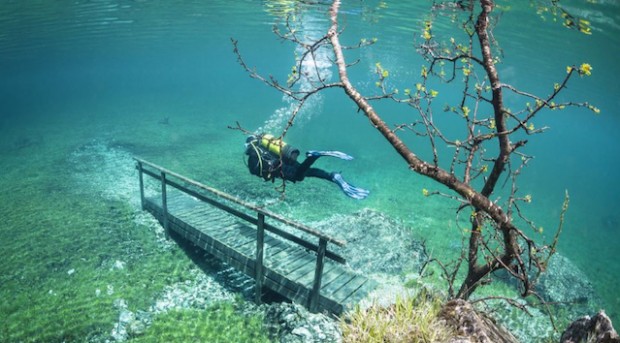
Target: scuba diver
(270, 157)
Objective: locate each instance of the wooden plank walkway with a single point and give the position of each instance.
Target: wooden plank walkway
(288, 264)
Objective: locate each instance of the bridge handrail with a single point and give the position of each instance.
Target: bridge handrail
(242, 203)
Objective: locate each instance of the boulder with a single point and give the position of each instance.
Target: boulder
(597, 329)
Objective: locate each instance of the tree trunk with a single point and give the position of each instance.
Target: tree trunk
(479, 200)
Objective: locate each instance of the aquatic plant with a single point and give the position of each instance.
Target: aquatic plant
(489, 147)
(409, 319)
(220, 323)
(72, 295)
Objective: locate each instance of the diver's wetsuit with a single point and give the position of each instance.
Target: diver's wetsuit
(269, 166)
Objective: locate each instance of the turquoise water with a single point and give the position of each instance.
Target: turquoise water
(87, 85)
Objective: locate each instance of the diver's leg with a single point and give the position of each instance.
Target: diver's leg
(318, 173)
(313, 155)
(347, 188)
(304, 167)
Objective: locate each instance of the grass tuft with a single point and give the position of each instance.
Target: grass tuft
(410, 319)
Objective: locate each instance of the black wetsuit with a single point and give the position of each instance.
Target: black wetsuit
(269, 166)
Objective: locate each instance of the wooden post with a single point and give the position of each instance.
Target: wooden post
(260, 239)
(164, 203)
(141, 185)
(313, 306)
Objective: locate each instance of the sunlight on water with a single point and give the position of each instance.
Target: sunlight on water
(309, 25)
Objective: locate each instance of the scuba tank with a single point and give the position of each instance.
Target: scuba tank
(278, 147)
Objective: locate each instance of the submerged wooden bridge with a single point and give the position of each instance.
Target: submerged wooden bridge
(280, 258)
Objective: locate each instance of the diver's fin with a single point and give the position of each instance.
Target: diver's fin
(348, 189)
(338, 154)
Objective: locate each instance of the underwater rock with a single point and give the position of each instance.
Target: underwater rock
(597, 329)
(564, 282)
(376, 243)
(292, 323)
(130, 324)
(563, 285)
(471, 326)
(119, 265)
(142, 320)
(199, 293)
(125, 318)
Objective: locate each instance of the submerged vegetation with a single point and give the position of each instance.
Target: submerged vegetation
(220, 323)
(70, 295)
(409, 319)
(78, 260)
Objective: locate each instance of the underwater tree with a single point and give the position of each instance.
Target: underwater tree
(497, 237)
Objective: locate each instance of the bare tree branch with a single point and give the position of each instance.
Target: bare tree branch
(494, 241)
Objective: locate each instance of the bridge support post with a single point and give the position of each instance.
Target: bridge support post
(313, 306)
(164, 204)
(260, 245)
(141, 176)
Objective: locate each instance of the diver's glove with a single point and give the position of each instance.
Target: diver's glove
(338, 154)
(348, 189)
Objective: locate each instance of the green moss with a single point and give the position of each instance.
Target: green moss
(218, 324)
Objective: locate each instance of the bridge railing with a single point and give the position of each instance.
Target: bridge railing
(219, 199)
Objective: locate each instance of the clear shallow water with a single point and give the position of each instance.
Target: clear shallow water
(85, 86)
